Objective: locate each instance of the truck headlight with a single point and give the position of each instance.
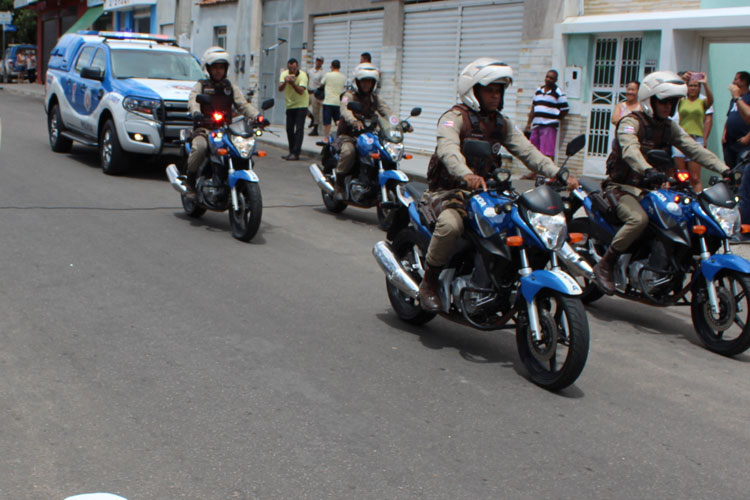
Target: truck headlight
(551, 229)
(728, 219)
(244, 145)
(141, 106)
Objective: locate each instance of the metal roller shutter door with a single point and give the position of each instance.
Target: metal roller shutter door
(438, 43)
(346, 37)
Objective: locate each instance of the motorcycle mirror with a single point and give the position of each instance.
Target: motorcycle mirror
(203, 99)
(658, 157)
(477, 148)
(575, 145)
(354, 106)
(415, 111)
(268, 103)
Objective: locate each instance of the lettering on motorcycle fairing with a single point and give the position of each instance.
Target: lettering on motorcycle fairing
(480, 200)
(661, 196)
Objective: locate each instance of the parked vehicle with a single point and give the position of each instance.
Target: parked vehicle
(678, 259)
(373, 180)
(123, 93)
(504, 273)
(226, 181)
(19, 61)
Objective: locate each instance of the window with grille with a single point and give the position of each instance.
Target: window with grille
(220, 36)
(617, 61)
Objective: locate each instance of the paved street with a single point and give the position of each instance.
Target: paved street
(154, 356)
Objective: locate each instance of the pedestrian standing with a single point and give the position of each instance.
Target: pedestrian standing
(548, 108)
(630, 104)
(692, 118)
(334, 83)
(316, 75)
(736, 136)
(293, 82)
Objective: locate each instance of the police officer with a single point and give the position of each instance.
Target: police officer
(638, 133)
(481, 88)
(365, 79)
(224, 94)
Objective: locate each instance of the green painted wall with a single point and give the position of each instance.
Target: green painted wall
(579, 53)
(716, 4)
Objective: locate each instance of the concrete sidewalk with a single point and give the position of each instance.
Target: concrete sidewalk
(416, 168)
(26, 89)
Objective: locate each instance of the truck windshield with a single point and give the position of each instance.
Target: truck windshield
(155, 64)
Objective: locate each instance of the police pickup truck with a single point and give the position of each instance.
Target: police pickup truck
(123, 93)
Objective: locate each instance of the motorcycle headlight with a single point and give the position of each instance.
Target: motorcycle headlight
(396, 151)
(141, 106)
(728, 219)
(244, 145)
(551, 229)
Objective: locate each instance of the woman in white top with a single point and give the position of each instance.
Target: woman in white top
(630, 103)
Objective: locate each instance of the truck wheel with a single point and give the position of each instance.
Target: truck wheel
(113, 158)
(57, 142)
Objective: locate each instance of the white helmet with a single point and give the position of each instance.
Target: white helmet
(214, 55)
(483, 71)
(662, 85)
(364, 71)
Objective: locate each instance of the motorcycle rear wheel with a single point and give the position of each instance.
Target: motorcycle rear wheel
(192, 208)
(591, 250)
(410, 248)
(565, 335)
(728, 333)
(246, 221)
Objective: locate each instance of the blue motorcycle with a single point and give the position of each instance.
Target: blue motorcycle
(677, 261)
(226, 180)
(504, 273)
(373, 180)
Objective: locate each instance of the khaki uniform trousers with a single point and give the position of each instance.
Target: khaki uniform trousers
(316, 108)
(347, 157)
(630, 212)
(198, 149)
(448, 229)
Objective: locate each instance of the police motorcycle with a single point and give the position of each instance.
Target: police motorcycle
(496, 278)
(226, 180)
(678, 261)
(373, 180)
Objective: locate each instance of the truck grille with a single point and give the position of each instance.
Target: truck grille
(175, 116)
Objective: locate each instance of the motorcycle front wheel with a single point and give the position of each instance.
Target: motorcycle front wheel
(557, 359)
(727, 333)
(410, 249)
(245, 221)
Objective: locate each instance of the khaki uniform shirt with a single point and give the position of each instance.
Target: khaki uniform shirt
(240, 103)
(627, 136)
(348, 116)
(449, 147)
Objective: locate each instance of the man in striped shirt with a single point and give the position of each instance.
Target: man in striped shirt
(548, 108)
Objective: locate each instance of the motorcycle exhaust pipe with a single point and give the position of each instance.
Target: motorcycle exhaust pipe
(394, 272)
(574, 262)
(174, 179)
(320, 179)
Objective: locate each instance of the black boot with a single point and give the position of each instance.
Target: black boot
(429, 297)
(603, 272)
(190, 194)
(339, 192)
(314, 131)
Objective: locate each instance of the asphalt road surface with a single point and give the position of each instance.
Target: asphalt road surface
(154, 356)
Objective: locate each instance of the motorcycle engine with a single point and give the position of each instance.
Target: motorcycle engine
(360, 192)
(214, 192)
(646, 281)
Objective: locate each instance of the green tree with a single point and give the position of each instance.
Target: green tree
(25, 20)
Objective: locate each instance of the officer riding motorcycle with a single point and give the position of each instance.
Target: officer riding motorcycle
(627, 169)
(481, 88)
(366, 79)
(224, 95)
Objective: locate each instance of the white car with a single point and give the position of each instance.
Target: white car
(124, 93)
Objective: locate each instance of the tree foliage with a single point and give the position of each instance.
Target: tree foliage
(25, 20)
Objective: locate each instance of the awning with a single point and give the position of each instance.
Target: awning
(20, 4)
(86, 20)
(126, 4)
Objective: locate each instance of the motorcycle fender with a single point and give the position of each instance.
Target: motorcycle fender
(242, 175)
(559, 281)
(717, 262)
(396, 175)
